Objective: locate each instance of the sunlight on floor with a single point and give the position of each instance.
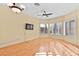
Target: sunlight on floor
(45, 54)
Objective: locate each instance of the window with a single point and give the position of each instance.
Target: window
(60, 31)
(56, 28)
(70, 27)
(51, 28)
(43, 28)
(66, 28)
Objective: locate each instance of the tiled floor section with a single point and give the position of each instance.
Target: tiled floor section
(50, 46)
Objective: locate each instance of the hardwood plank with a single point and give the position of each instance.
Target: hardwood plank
(51, 46)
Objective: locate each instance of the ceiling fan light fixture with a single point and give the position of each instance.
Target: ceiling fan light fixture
(15, 8)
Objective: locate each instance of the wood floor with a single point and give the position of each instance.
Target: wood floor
(41, 46)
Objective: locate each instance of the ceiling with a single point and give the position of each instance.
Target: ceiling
(58, 9)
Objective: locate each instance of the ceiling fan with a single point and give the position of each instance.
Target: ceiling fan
(16, 8)
(46, 14)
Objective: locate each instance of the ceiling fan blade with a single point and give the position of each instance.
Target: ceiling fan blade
(50, 14)
(40, 15)
(46, 15)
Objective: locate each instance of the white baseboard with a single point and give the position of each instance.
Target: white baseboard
(11, 43)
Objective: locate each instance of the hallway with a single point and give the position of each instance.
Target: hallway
(41, 46)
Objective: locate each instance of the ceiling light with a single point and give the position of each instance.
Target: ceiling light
(16, 8)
